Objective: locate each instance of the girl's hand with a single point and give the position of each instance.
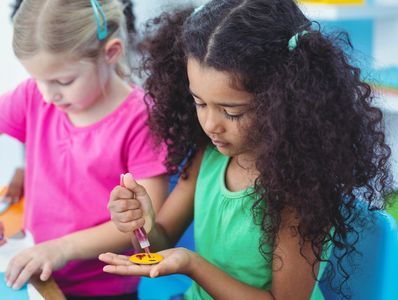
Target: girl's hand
(176, 260)
(15, 188)
(41, 259)
(130, 206)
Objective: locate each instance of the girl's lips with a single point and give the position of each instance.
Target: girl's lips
(62, 106)
(219, 143)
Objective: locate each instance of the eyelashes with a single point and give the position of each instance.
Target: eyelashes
(232, 117)
(65, 83)
(226, 114)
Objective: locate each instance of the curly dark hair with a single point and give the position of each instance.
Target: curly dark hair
(319, 141)
(15, 7)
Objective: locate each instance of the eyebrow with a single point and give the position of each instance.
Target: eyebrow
(221, 103)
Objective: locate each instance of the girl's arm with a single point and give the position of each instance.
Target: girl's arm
(91, 242)
(130, 208)
(177, 212)
(15, 188)
(291, 280)
(48, 256)
(292, 276)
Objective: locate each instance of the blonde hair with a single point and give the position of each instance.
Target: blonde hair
(68, 27)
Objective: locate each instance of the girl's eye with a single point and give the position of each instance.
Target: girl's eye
(65, 83)
(232, 117)
(199, 105)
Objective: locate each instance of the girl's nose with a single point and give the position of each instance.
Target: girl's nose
(213, 124)
(50, 96)
(46, 93)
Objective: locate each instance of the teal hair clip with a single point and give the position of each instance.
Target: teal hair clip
(292, 44)
(102, 27)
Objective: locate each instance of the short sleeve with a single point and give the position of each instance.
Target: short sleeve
(144, 158)
(14, 106)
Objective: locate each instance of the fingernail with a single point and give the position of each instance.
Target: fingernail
(121, 179)
(8, 284)
(155, 274)
(129, 174)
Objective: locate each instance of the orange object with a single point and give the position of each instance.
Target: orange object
(146, 258)
(12, 218)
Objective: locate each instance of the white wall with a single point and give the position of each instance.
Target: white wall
(11, 72)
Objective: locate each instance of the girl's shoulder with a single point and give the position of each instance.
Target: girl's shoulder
(29, 89)
(24, 96)
(136, 95)
(135, 103)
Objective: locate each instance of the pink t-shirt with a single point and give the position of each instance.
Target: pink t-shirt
(70, 172)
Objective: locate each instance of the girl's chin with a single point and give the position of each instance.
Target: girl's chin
(64, 107)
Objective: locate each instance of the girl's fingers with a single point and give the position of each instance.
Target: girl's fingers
(121, 265)
(129, 216)
(46, 272)
(120, 270)
(132, 269)
(120, 192)
(27, 272)
(122, 205)
(14, 268)
(115, 259)
(133, 186)
(161, 269)
(154, 272)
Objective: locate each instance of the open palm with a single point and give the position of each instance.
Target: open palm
(176, 260)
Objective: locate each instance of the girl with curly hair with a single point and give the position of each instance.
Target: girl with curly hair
(277, 138)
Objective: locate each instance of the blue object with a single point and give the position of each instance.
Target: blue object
(373, 269)
(386, 77)
(361, 36)
(11, 294)
(4, 205)
(166, 287)
(102, 27)
(292, 43)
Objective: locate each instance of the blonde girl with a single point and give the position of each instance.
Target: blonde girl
(83, 125)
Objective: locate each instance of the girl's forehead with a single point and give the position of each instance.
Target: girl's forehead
(210, 84)
(44, 65)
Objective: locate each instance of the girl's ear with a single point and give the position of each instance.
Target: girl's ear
(113, 50)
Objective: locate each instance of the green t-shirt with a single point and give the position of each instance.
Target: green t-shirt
(225, 233)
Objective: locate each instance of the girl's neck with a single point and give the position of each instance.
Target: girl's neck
(241, 173)
(115, 91)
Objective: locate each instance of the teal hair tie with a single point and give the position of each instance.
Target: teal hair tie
(292, 44)
(102, 27)
(198, 9)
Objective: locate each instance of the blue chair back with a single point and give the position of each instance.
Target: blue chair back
(373, 268)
